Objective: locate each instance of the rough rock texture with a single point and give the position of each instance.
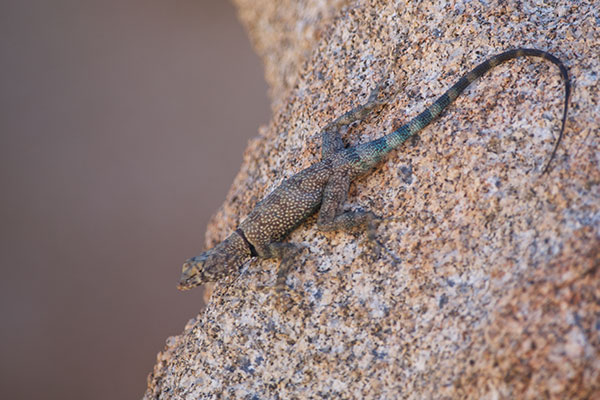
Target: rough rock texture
(498, 291)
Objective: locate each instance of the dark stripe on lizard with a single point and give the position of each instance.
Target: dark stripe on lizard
(253, 252)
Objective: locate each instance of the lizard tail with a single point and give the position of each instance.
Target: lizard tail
(401, 134)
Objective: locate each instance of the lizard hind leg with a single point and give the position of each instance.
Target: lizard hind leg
(331, 218)
(366, 220)
(331, 138)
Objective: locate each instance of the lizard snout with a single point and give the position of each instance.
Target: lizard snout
(190, 273)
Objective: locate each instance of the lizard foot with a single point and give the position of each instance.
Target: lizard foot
(375, 243)
(285, 297)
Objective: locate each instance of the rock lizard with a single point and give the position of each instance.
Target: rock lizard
(324, 185)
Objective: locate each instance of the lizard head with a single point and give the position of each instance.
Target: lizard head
(193, 272)
(224, 259)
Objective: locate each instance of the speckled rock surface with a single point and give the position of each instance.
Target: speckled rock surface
(498, 291)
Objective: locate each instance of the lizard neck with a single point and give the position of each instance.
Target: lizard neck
(240, 233)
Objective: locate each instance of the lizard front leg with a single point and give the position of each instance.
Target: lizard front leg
(285, 252)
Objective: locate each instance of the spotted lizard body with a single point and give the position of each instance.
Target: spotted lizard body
(324, 185)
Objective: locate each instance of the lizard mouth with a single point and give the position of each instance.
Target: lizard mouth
(186, 282)
(184, 286)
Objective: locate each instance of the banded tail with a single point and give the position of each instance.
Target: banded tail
(399, 136)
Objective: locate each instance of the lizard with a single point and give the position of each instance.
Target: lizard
(324, 185)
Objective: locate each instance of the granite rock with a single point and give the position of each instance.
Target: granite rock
(497, 294)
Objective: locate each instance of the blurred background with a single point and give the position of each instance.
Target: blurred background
(122, 125)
